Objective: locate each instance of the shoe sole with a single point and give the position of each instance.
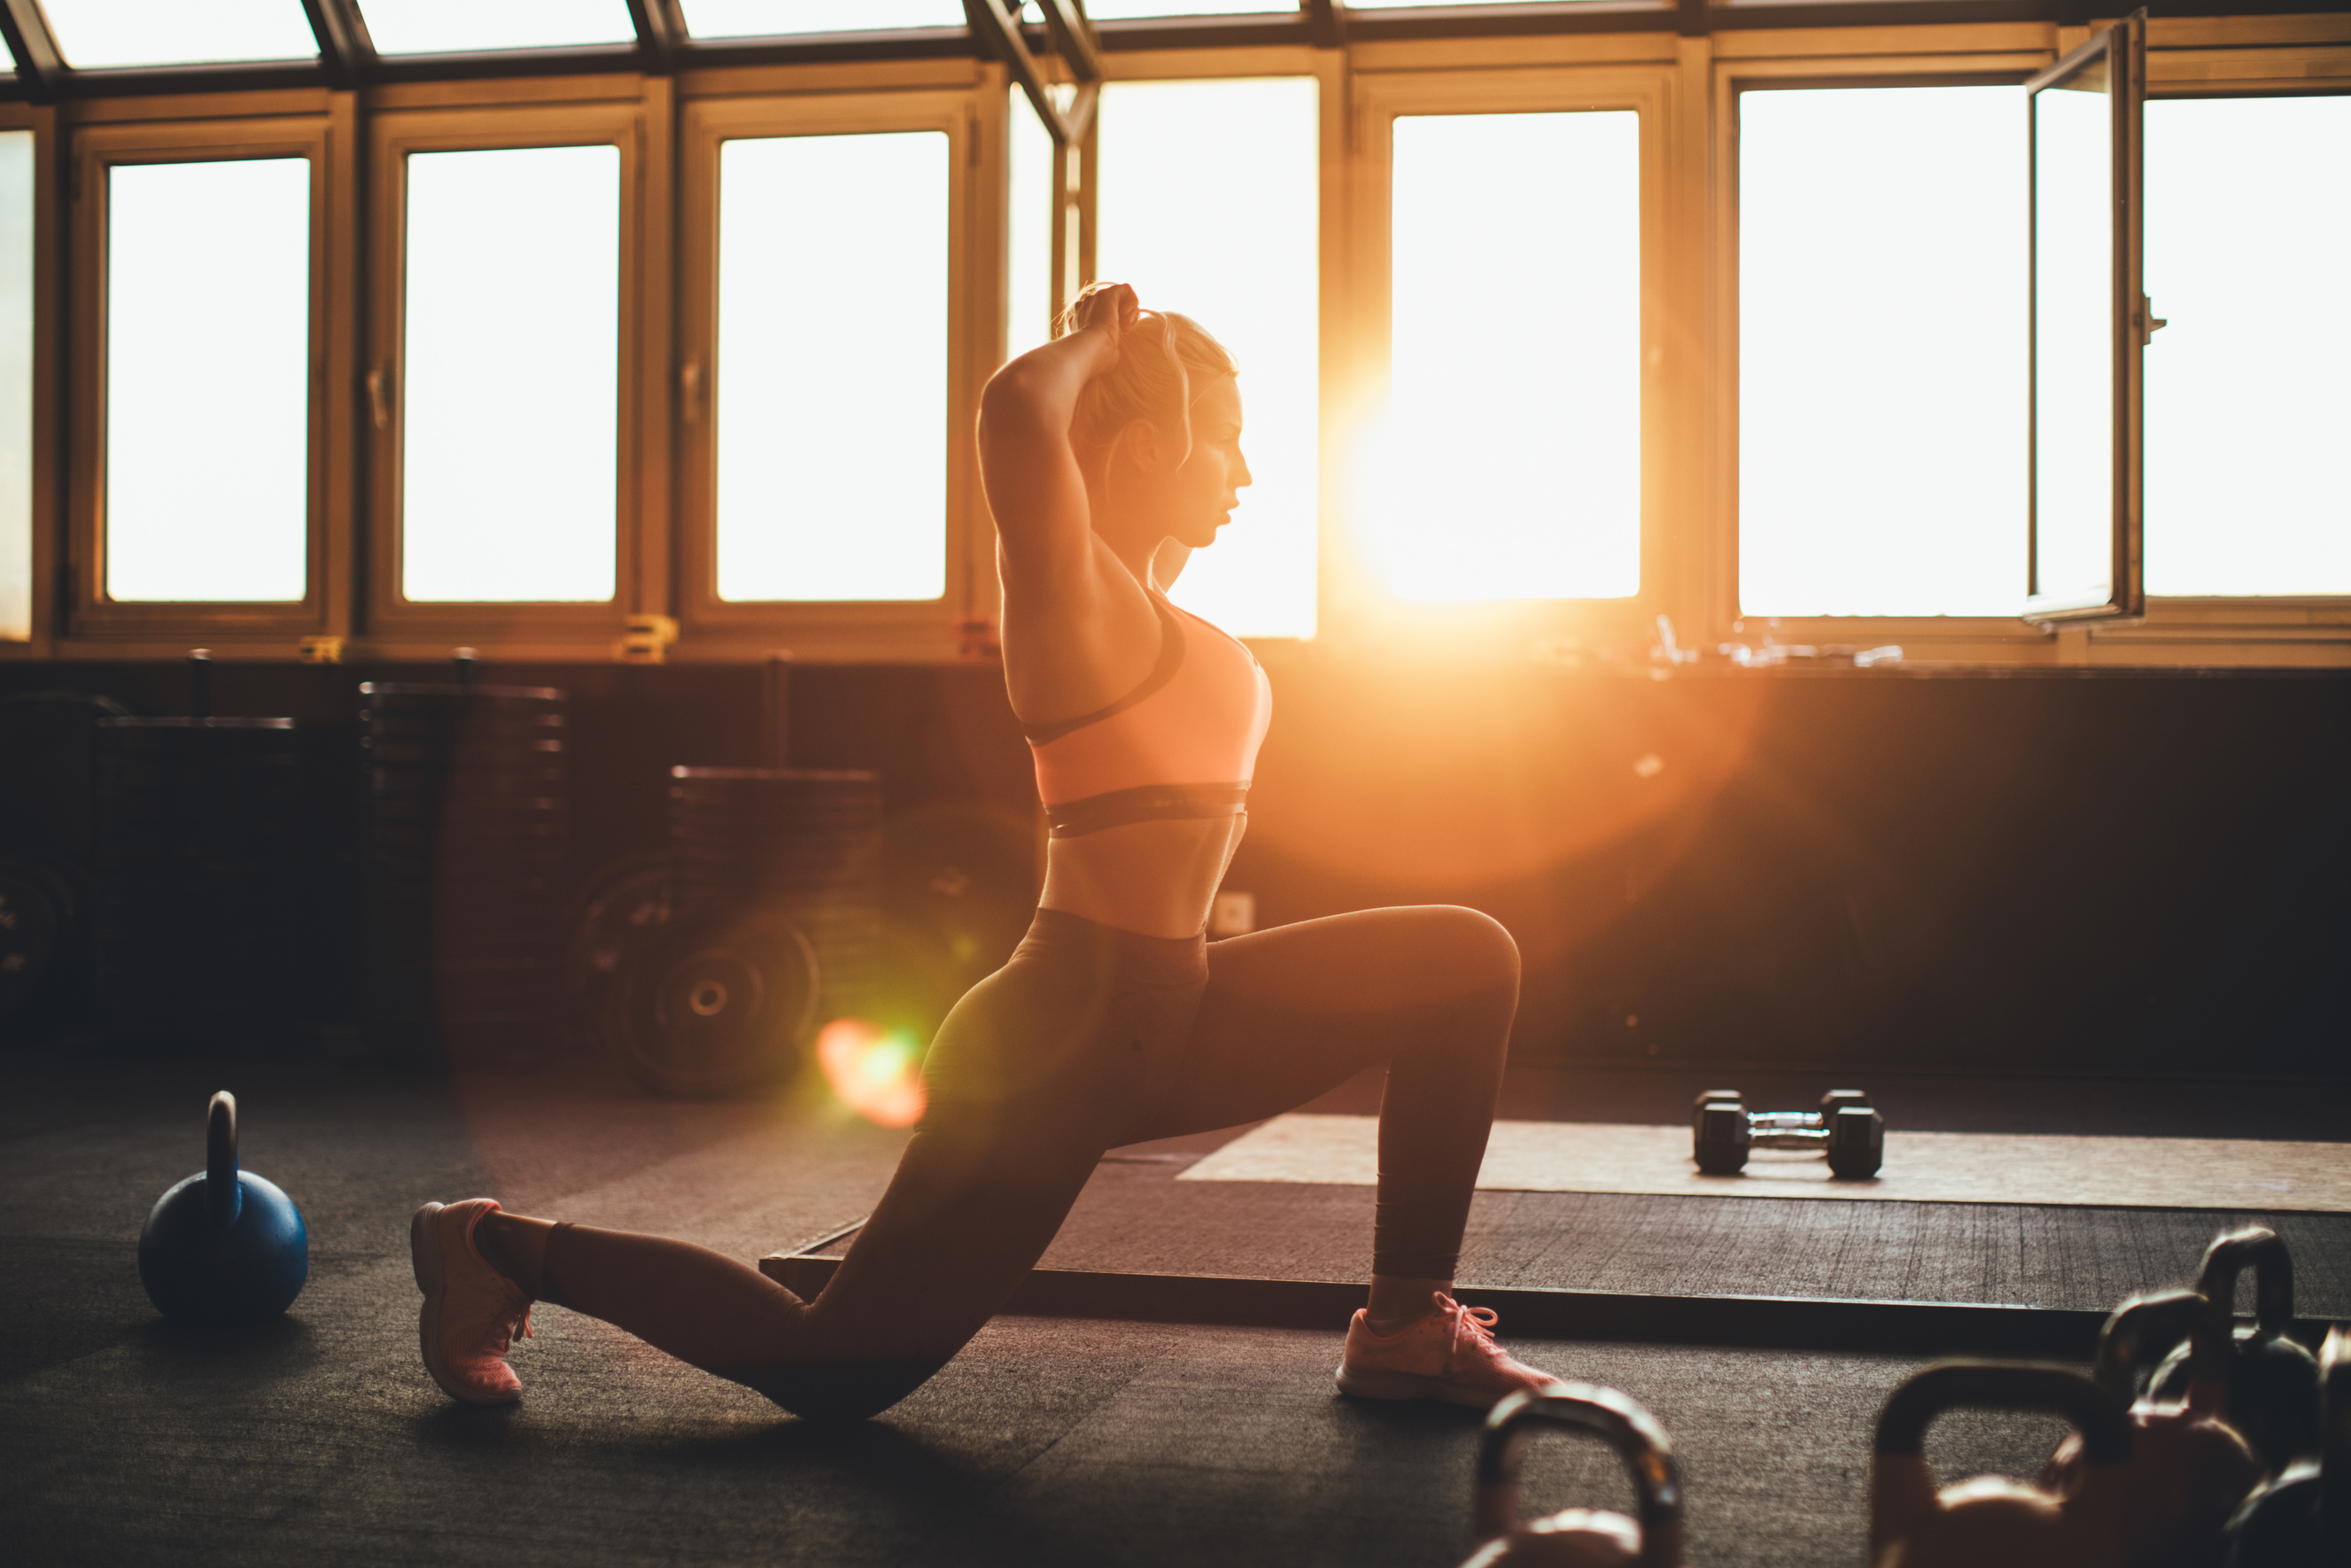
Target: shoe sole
(1411, 1385)
(425, 1259)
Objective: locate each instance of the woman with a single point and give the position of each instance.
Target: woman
(1109, 453)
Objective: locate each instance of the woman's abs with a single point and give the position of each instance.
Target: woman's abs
(1155, 878)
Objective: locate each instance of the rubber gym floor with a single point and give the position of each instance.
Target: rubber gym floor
(1050, 1440)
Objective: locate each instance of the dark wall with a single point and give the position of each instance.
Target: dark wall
(2064, 870)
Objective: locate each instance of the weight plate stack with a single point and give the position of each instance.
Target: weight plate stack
(466, 871)
(797, 844)
(198, 880)
(36, 924)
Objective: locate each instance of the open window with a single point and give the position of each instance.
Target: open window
(2089, 327)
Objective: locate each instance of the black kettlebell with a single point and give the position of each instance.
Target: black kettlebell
(1578, 1537)
(2273, 1380)
(2303, 1518)
(224, 1246)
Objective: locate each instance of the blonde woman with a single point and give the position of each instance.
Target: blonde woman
(1110, 455)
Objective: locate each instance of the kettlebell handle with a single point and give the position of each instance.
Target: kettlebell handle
(2257, 1247)
(1614, 1418)
(223, 1193)
(2099, 1416)
(2145, 1327)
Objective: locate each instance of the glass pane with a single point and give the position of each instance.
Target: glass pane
(1208, 202)
(510, 413)
(447, 27)
(2073, 341)
(2247, 405)
(833, 367)
(208, 380)
(757, 18)
(95, 34)
(1510, 463)
(16, 385)
(1116, 10)
(1029, 261)
(1881, 466)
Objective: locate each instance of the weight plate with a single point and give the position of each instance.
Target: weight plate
(32, 918)
(711, 1008)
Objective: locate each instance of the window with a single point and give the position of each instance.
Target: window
(446, 26)
(1184, 170)
(207, 381)
(1029, 260)
(510, 361)
(1881, 448)
(756, 18)
(830, 377)
(16, 385)
(1510, 465)
(2247, 407)
(95, 34)
(1118, 10)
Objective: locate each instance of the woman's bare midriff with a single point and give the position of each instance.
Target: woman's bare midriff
(1156, 879)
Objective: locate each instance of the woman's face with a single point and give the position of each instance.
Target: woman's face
(1200, 497)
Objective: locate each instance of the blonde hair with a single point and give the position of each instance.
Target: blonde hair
(1162, 357)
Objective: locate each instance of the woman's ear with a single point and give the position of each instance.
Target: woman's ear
(1141, 444)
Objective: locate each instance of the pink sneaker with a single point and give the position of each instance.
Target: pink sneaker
(1447, 1354)
(471, 1310)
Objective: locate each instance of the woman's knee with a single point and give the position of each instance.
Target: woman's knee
(838, 1391)
(1471, 948)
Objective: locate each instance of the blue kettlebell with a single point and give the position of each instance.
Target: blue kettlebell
(224, 1246)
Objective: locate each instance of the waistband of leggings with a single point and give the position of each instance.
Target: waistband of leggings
(1058, 935)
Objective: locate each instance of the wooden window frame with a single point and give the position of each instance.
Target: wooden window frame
(514, 628)
(48, 421)
(95, 150)
(1357, 607)
(897, 630)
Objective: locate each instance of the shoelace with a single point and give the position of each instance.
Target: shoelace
(1474, 1321)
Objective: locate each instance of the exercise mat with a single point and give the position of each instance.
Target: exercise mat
(1920, 1168)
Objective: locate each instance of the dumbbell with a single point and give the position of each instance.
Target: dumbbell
(1578, 1537)
(1992, 1522)
(1845, 1129)
(2272, 1381)
(2189, 1468)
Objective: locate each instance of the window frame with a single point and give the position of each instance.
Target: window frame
(94, 150)
(50, 417)
(842, 629)
(1359, 609)
(525, 628)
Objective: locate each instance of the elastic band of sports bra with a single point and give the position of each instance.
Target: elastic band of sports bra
(1150, 803)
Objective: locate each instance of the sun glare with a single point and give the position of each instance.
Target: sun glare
(876, 1074)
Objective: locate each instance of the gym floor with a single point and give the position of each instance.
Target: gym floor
(1050, 1441)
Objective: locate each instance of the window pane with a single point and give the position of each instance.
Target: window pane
(1029, 262)
(1881, 352)
(510, 414)
(446, 26)
(1511, 467)
(1114, 10)
(2073, 341)
(833, 367)
(16, 385)
(95, 34)
(2248, 224)
(208, 380)
(756, 18)
(1209, 204)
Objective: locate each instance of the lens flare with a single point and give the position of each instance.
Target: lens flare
(876, 1074)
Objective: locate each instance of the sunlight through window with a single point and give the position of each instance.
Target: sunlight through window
(756, 18)
(208, 380)
(97, 34)
(1881, 352)
(450, 26)
(16, 385)
(1508, 466)
(1120, 10)
(1209, 204)
(1029, 262)
(2248, 410)
(833, 367)
(510, 416)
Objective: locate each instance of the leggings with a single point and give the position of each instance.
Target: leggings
(1088, 1038)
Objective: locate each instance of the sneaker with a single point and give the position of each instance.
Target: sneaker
(471, 1310)
(1446, 1354)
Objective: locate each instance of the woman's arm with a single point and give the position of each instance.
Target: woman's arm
(1034, 487)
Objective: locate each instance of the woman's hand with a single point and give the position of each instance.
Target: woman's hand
(1108, 310)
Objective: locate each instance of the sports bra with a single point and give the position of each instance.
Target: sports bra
(1182, 744)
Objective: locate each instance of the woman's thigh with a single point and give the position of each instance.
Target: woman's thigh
(1298, 1010)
